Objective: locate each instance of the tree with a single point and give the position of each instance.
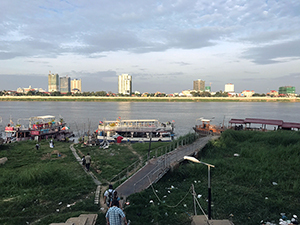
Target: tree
(221, 94)
(55, 93)
(205, 94)
(30, 93)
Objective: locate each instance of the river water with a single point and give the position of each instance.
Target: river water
(84, 116)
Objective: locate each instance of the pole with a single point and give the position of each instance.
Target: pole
(209, 195)
(208, 181)
(150, 135)
(194, 196)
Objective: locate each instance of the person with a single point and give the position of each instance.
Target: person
(88, 162)
(294, 220)
(51, 144)
(115, 197)
(37, 146)
(108, 195)
(114, 215)
(83, 161)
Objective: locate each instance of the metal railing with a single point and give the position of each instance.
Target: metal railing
(155, 153)
(165, 162)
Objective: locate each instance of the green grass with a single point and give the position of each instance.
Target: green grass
(241, 186)
(108, 162)
(34, 184)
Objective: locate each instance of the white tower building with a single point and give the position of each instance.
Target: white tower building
(229, 88)
(125, 84)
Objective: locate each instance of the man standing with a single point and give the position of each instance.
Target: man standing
(88, 161)
(115, 215)
(108, 195)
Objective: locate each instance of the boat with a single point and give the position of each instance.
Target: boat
(139, 130)
(206, 128)
(37, 128)
(262, 124)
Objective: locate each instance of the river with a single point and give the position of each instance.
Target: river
(84, 116)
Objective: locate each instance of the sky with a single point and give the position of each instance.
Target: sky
(164, 45)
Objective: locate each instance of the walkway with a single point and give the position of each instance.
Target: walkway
(157, 167)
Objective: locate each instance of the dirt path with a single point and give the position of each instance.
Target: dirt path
(134, 152)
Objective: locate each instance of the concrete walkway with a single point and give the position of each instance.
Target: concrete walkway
(157, 167)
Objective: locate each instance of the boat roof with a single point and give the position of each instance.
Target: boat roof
(257, 121)
(264, 121)
(132, 121)
(237, 121)
(280, 123)
(290, 125)
(42, 117)
(204, 120)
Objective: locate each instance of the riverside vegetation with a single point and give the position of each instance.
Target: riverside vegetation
(48, 185)
(148, 99)
(259, 184)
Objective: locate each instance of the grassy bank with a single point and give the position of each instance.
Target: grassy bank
(147, 99)
(38, 185)
(259, 184)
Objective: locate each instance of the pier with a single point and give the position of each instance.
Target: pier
(157, 167)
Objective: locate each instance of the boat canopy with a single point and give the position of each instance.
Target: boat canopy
(289, 125)
(237, 121)
(42, 117)
(204, 120)
(264, 121)
(279, 123)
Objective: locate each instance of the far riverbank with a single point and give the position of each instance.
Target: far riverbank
(148, 99)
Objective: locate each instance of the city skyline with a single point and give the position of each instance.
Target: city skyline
(165, 45)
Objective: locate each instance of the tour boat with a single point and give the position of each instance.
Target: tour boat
(139, 130)
(38, 127)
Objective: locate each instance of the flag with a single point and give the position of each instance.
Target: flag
(100, 122)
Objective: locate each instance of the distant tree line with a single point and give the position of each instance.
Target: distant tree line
(110, 94)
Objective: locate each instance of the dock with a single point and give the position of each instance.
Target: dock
(157, 167)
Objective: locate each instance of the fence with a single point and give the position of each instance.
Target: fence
(165, 162)
(155, 153)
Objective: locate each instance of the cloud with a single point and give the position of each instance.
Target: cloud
(275, 53)
(162, 37)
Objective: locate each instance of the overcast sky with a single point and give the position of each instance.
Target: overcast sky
(164, 45)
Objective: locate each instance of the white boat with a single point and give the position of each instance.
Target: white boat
(135, 131)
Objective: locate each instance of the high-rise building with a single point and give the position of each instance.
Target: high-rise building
(229, 88)
(76, 85)
(53, 82)
(65, 84)
(125, 84)
(199, 85)
(287, 91)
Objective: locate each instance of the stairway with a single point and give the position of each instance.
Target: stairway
(83, 219)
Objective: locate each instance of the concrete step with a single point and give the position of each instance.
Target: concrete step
(77, 221)
(91, 218)
(83, 219)
(201, 220)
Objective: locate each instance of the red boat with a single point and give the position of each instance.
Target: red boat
(206, 128)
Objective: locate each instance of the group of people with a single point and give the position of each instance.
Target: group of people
(114, 214)
(86, 161)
